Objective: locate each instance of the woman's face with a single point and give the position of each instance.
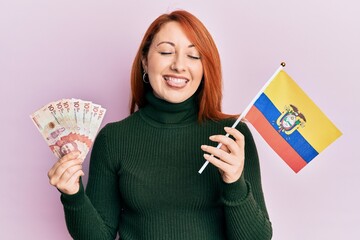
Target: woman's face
(173, 64)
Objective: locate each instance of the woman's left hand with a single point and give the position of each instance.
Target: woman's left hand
(230, 157)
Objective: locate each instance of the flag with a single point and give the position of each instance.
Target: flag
(290, 122)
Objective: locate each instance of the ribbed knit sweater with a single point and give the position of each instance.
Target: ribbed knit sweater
(144, 182)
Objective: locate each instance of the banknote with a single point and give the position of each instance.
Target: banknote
(69, 124)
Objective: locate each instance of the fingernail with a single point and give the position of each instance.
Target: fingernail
(203, 146)
(227, 128)
(206, 155)
(211, 137)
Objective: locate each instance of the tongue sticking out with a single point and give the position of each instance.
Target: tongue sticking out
(176, 82)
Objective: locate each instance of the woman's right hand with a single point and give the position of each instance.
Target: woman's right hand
(66, 172)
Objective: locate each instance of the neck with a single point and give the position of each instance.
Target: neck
(161, 112)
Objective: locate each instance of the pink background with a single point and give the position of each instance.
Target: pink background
(61, 49)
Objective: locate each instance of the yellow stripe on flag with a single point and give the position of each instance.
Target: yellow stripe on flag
(319, 131)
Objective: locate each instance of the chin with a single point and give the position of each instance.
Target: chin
(176, 99)
(174, 96)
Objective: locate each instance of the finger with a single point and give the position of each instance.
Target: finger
(67, 157)
(71, 186)
(225, 148)
(239, 137)
(223, 166)
(69, 172)
(219, 153)
(224, 140)
(58, 172)
(75, 177)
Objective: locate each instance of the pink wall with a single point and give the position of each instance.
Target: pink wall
(57, 49)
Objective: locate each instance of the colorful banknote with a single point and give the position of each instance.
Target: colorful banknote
(68, 125)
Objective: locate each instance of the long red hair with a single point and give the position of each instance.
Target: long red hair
(210, 94)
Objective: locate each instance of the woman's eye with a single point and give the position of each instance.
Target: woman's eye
(193, 57)
(165, 53)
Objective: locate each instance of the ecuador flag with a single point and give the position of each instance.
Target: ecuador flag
(290, 122)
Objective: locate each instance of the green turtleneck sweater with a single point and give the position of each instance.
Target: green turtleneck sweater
(144, 182)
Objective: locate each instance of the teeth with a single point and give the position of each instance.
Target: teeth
(176, 80)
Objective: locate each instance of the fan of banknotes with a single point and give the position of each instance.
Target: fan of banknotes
(68, 125)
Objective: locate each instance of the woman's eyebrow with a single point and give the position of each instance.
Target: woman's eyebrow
(173, 44)
(167, 42)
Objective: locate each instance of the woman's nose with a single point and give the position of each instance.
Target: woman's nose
(178, 64)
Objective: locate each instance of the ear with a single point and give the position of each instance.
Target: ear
(144, 63)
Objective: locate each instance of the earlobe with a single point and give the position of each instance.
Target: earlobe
(144, 64)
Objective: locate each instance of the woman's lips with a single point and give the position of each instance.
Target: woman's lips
(177, 82)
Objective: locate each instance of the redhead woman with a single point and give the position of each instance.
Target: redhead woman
(143, 180)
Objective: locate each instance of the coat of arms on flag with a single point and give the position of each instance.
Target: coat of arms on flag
(290, 120)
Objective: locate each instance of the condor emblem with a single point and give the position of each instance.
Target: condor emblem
(290, 120)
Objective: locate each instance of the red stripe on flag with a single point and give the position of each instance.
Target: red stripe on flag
(274, 139)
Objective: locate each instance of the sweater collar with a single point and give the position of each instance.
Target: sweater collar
(159, 111)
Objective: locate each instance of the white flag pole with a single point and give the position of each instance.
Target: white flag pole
(243, 114)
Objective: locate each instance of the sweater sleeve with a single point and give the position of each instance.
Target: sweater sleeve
(94, 213)
(244, 206)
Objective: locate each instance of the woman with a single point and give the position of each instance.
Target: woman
(143, 180)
